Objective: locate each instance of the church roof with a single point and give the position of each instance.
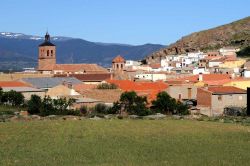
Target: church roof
(85, 68)
(118, 59)
(46, 41)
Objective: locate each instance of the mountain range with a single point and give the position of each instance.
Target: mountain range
(236, 34)
(19, 50)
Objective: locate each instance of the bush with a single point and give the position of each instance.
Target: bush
(100, 108)
(12, 98)
(83, 110)
(106, 86)
(34, 105)
(182, 109)
(234, 111)
(57, 107)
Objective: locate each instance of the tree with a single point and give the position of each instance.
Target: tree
(47, 107)
(164, 103)
(168, 105)
(34, 104)
(181, 108)
(12, 98)
(1, 94)
(133, 104)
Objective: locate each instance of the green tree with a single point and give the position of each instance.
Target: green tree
(47, 106)
(1, 94)
(164, 103)
(181, 108)
(13, 98)
(34, 104)
(133, 104)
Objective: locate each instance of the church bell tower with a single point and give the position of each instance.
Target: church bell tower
(47, 54)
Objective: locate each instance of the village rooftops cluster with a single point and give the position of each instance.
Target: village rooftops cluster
(214, 80)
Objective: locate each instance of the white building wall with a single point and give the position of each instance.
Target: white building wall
(247, 73)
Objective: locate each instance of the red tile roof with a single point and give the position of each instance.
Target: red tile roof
(155, 66)
(13, 84)
(205, 77)
(118, 59)
(86, 68)
(225, 90)
(81, 87)
(149, 89)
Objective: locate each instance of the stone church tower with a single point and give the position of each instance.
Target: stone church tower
(47, 54)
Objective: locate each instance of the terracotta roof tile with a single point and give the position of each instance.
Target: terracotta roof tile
(82, 87)
(206, 77)
(155, 66)
(86, 68)
(149, 89)
(13, 84)
(225, 90)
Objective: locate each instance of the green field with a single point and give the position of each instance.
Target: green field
(123, 142)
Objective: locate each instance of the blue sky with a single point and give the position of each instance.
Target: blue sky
(119, 21)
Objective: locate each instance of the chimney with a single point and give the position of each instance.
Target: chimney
(200, 77)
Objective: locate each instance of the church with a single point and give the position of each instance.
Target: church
(47, 62)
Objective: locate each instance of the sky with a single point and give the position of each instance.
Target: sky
(119, 21)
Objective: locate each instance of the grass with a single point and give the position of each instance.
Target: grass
(8, 110)
(123, 142)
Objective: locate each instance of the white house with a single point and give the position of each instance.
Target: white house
(247, 73)
(228, 51)
(132, 63)
(151, 76)
(200, 70)
(214, 63)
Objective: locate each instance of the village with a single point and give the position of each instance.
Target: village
(124, 83)
(207, 82)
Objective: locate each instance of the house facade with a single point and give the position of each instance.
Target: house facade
(212, 100)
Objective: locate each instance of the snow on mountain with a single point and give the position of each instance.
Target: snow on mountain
(11, 35)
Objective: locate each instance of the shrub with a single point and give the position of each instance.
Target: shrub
(234, 111)
(106, 86)
(115, 109)
(83, 110)
(12, 98)
(100, 108)
(181, 108)
(34, 104)
(57, 107)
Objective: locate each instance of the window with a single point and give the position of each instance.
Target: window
(47, 52)
(179, 96)
(121, 66)
(51, 52)
(117, 66)
(220, 97)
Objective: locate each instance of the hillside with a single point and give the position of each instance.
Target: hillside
(233, 34)
(19, 50)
